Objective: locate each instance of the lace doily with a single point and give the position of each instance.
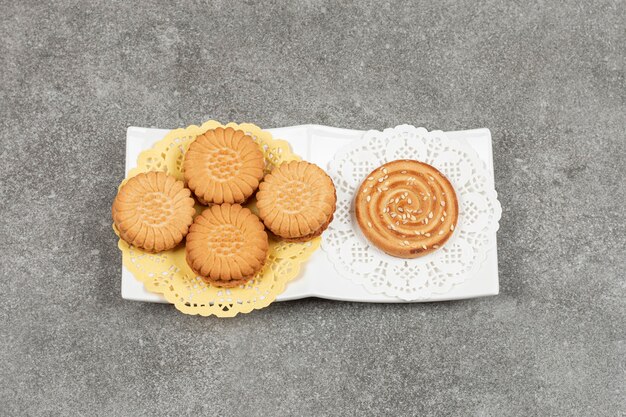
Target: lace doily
(167, 272)
(412, 279)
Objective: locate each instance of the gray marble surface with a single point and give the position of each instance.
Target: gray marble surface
(547, 79)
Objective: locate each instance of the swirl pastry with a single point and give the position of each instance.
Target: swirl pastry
(226, 245)
(407, 208)
(153, 211)
(223, 166)
(296, 201)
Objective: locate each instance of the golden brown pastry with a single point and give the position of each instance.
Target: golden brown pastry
(153, 211)
(226, 245)
(296, 201)
(407, 208)
(223, 166)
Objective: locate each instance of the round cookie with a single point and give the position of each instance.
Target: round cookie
(223, 166)
(407, 208)
(226, 245)
(153, 211)
(296, 201)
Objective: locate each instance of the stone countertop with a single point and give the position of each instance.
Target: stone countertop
(550, 83)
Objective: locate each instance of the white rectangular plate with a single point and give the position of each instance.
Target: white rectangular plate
(318, 278)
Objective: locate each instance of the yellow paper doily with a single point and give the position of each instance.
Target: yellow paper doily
(167, 272)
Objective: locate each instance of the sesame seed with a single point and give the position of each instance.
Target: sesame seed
(402, 172)
(369, 224)
(442, 219)
(430, 215)
(400, 209)
(379, 190)
(425, 247)
(397, 200)
(443, 204)
(436, 246)
(452, 227)
(409, 201)
(406, 242)
(365, 190)
(405, 221)
(393, 215)
(381, 179)
(370, 179)
(369, 197)
(441, 232)
(385, 188)
(385, 170)
(427, 234)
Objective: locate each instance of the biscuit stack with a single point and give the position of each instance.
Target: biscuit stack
(226, 244)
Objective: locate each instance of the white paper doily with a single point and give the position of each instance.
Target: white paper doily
(412, 279)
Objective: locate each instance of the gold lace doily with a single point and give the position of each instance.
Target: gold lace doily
(167, 272)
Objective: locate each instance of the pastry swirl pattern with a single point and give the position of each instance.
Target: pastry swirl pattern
(407, 208)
